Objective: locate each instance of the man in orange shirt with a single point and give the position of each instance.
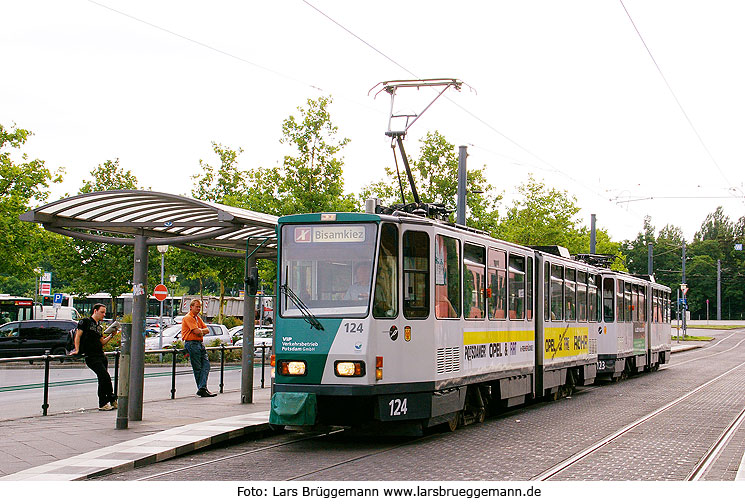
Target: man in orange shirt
(193, 330)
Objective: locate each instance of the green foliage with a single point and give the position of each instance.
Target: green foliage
(89, 267)
(542, 216)
(22, 182)
(311, 180)
(231, 322)
(435, 174)
(108, 177)
(713, 242)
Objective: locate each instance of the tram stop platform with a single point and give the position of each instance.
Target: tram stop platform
(82, 445)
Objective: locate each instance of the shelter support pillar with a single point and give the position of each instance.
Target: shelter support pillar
(247, 359)
(139, 311)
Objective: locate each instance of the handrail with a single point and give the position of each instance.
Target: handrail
(47, 358)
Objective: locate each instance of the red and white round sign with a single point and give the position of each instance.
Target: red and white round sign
(160, 292)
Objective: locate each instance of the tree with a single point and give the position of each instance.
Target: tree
(541, 216)
(435, 174)
(637, 251)
(217, 185)
(91, 267)
(312, 179)
(109, 176)
(21, 183)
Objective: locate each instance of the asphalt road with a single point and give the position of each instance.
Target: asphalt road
(522, 443)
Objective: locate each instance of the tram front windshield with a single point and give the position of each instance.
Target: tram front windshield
(329, 267)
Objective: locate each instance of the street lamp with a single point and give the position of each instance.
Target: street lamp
(172, 278)
(162, 249)
(38, 272)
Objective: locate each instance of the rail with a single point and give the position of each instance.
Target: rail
(47, 358)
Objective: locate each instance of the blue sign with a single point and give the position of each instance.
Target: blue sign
(58, 299)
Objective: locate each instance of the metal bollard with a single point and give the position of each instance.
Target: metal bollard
(122, 411)
(45, 406)
(263, 361)
(116, 372)
(173, 373)
(222, 367)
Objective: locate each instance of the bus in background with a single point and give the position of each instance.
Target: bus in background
(45, 310)
(14, 308)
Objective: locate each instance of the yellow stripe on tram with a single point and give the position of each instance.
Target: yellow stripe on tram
(486, 337)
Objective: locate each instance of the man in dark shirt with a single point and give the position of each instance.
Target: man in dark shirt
(89, 340)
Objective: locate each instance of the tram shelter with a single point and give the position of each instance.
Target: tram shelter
(143, 219)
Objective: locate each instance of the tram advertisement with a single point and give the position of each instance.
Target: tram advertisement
(497, 348)
(566, 341)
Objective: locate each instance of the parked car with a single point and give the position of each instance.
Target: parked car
(262, 337)
(155, 322)
(173, 334)
(35, 337)
(170, 335)
(260, 331)
(218, 332)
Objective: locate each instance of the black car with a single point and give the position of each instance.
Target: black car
(34, 337)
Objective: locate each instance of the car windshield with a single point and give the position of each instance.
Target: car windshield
(170, 332)
(329, 267)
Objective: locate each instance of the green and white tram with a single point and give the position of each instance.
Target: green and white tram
(408, 320)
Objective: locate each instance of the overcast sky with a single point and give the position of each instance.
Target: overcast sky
(565, 90)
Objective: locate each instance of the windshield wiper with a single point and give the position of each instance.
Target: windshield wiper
(307, 315)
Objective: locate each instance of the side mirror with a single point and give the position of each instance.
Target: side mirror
(253, 281)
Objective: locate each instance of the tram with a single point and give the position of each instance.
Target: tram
(395, 319)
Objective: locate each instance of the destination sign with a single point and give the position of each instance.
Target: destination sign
(330, 234)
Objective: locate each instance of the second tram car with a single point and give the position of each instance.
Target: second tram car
(413, 322)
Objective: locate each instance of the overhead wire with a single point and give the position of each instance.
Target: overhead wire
(594, 191)
(229, 54)
(677, 101)
(206, 46)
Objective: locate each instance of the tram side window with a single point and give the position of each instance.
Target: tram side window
(642, 303)
(570, 294)
(636, 303)
(608, 314)
(516, 287)
(546, 291)
(385, 302)
(620, 305)
(668, 309)
(529, 290)
(474, 271)
(582, 296)
(497, 284)
(447, 277)
(592, 299)
(557, 292)
(416, 274)
(628, 305)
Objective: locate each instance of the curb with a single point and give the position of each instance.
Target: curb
(146, 450)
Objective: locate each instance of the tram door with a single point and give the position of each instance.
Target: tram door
(401, 303)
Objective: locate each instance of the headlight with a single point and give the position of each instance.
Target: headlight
(292, 368)
(349, 368)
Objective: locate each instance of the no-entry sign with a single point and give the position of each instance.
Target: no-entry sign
(160, 292)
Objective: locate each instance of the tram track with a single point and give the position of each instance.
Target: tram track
(704, 462)
(322, 464)
(236, 455)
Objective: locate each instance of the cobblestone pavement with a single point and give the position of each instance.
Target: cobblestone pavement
(524, 442)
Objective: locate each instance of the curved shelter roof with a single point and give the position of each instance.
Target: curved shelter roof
(164, 219)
